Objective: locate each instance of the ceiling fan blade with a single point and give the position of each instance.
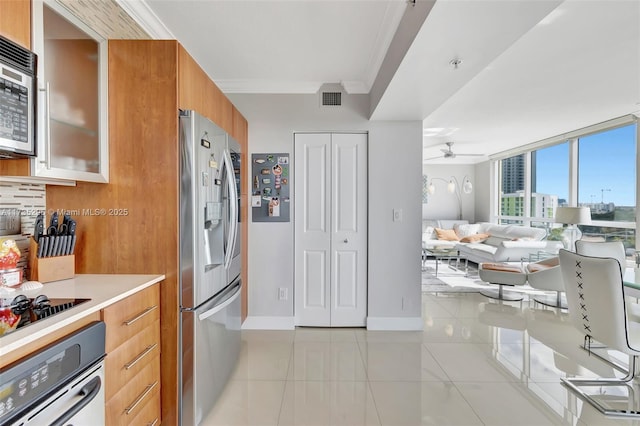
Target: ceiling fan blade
(470, 155)
(433, 158)
(446, 151)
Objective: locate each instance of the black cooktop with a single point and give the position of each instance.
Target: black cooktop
(27, 311)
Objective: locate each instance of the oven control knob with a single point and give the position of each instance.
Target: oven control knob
(41, 302)
(20, 304)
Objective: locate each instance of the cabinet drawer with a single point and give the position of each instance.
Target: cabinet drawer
(128, 317)
(128, 359)
(150, 413)
(132, 398)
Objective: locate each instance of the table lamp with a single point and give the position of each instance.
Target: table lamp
(573, 216)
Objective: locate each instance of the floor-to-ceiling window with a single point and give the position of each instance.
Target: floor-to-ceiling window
(607, 184)
(512, 185)
(594, 167)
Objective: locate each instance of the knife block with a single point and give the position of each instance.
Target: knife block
(47, 269)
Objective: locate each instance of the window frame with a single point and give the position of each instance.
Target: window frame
(572, 138)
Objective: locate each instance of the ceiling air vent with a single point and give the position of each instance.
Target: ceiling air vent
(331, 98)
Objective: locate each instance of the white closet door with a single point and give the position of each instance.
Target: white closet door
(331, 229)
(349, 230)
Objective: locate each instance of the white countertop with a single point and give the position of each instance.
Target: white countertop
(102, 289)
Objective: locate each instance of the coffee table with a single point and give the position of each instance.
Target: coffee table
(442, 253)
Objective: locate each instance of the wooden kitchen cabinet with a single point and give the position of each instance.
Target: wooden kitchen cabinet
(149, 81)
(132, 365)
(15, 21)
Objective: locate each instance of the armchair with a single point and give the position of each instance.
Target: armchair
(545, 275)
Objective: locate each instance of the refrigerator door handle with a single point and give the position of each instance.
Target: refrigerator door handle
(233, 209)
(201, 304)
(221, 306)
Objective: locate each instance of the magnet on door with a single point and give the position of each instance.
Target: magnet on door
(274, 207)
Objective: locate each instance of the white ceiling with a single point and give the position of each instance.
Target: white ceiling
(530, 69)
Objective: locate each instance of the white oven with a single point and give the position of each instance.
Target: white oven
(60, 385)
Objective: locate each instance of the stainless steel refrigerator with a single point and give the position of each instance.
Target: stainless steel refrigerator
(210, 263)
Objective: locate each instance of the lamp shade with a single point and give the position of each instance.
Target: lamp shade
(573, 215)
(467, 187)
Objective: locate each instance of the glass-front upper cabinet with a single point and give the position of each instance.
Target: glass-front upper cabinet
(72, 104)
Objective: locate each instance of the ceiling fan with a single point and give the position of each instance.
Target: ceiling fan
(448, 153)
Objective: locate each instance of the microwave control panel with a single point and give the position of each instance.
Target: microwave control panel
(14, 109)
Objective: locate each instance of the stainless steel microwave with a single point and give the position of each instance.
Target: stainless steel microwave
(17, 100)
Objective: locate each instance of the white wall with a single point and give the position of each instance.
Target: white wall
(395, 151)
(482, 191)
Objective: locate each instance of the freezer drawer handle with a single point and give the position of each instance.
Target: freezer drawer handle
(153, 423)
(222, 305)
(142, 396)
(144, 353)
(140, 315)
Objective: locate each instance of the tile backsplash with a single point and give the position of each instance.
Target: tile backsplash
(25, 200)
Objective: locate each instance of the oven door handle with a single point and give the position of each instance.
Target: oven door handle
(88, 392)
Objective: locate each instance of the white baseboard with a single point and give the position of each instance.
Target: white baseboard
(373, 323)
(268, 323)
(395, 324)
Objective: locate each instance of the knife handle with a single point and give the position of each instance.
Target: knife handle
(40, 247)
(65, 245)
(73, 244)
(58, 245)
(44, 241)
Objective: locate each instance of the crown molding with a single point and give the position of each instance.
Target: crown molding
(140, 12)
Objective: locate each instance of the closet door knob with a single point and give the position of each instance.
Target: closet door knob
(346, 240)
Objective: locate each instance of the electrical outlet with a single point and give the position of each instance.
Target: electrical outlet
(282, 293)
(397, 215)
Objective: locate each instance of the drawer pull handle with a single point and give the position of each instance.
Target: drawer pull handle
(142, 354)
(140, 315)
(153, 423)
(138, 400)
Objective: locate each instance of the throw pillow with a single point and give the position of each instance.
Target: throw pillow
(475, 238)
(447, 234)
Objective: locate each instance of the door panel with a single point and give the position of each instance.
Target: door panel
(349, 237)
(345, 267)
(312, 229)
(315, 179)
(315, 288)
(330, 229)
(345, 187)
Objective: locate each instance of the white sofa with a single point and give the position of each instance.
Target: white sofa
(507, 243)
(429, 237)
(504, 243)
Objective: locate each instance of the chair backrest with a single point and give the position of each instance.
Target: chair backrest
(614, 249)
(595, 295)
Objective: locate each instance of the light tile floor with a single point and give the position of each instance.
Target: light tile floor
(477, 362)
